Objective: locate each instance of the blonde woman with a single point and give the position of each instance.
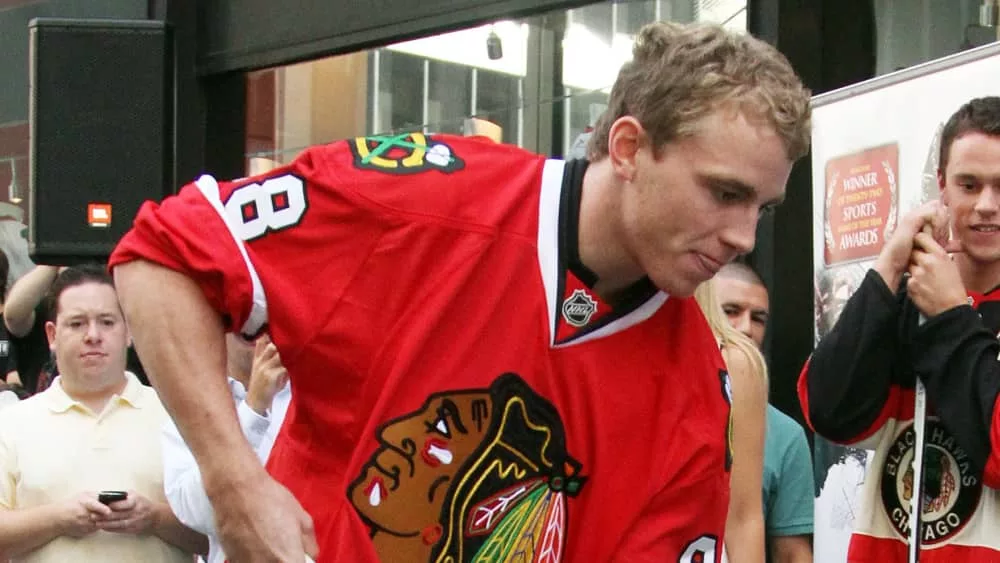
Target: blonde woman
(748, 377)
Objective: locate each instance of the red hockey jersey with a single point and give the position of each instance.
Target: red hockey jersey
(459, 393)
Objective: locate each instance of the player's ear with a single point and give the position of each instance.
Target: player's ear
(626, 138)
(50, 332)
(942, 182)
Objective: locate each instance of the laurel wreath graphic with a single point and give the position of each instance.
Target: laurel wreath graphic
(890, 222)
(827, 231)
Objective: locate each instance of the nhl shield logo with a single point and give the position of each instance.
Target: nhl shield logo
(579, 308)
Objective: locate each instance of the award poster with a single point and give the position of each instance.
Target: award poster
(874, 157)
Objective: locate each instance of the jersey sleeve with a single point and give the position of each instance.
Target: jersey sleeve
(274, 250)
(283, 248)
(957, 358)
(188, 234)
(846, 387)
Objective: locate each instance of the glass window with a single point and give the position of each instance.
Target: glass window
(633, 15)
(449, 96)
(501, 72)
(592, 55)
(597, 19)
(905, 37)
(729, 13)
(498, 99)
(400, 99)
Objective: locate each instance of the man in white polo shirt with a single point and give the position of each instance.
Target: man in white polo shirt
(94, 429)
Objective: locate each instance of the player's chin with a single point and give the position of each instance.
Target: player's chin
(982, 254)
(676, 284)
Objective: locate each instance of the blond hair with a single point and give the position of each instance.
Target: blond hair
(728, 337)
(680, 73)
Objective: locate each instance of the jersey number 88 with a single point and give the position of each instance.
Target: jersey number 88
(272, 205)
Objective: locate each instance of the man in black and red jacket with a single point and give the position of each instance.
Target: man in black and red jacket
(929, 308)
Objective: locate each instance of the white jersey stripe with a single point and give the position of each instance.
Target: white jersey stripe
(548, 261)
(548, 236)
(258, 310)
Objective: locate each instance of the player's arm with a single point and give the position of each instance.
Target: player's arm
(745, 520)
(181, 340)
(185, 273)
(845, 386)
(956, 357)
(182, 482)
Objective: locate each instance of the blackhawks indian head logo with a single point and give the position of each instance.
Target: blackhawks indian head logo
(475, 475)
(407, 153)
(951, 487)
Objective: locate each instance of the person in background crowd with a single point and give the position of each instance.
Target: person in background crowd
(748, 376)
(24, 318)
(93, 430)
(7, 360)
(788, 484)
(930, 308)
(259, 385)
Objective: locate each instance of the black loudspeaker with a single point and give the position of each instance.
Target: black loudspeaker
(100, 120)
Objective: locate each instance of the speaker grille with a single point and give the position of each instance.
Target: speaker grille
(100, 144)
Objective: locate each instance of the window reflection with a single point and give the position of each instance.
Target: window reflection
(434, 84)
(498, 99)
(449, 96)
(400, 99)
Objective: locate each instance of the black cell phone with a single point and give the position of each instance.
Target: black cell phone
(108, 497)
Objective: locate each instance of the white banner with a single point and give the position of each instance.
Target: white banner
(874, 157)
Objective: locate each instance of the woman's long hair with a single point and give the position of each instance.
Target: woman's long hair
(724, 332)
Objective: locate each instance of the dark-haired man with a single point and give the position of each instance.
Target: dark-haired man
(941, 326)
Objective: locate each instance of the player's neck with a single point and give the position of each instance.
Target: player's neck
(979, 277)
(600, 246)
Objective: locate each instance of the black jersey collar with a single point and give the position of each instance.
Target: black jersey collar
(576, 313)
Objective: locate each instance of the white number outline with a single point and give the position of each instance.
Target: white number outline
(706, 545)
(268, 219)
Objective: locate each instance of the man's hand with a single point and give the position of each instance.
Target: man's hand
(267, 377)
(134, 515)
(79, 517)
(894, 259)
(935, 284)
(260, 521)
